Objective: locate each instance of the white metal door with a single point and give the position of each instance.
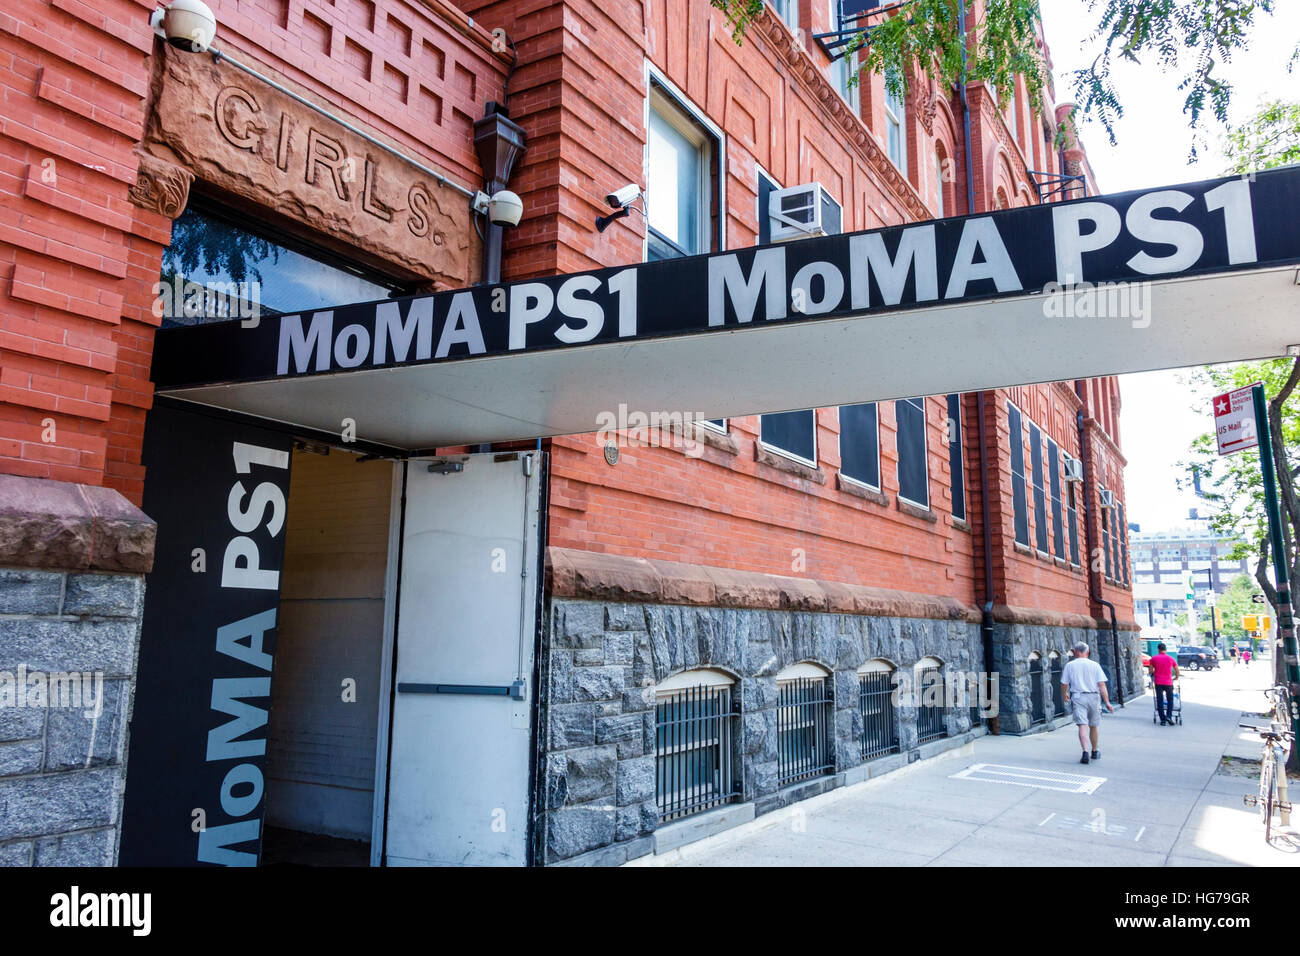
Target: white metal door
(461, 740)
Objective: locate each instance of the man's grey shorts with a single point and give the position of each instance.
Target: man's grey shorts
(1087, 709)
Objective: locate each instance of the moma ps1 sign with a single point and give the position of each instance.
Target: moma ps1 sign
(975, 297)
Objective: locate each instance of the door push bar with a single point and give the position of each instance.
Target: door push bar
(515, 691)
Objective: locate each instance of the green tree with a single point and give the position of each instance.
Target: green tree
(1235, 602)
(1191, 38)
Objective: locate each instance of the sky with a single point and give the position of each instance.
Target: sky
(1153, 140)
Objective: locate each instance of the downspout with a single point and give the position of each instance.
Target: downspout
(1094, 589)
(986, 611)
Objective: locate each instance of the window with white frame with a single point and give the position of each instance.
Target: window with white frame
(1054, 492)
(695, 721)
(956, 458)
(680, 179)
(913, 468)
(1010, 113)
(860, 444)
(1072, 519)
(791, 433)
(844, 67)
(1019, 499)
(1040, 493)
(895, 131)
(938, 183)
(787, 10)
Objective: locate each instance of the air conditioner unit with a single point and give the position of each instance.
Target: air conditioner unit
(1073, 469)
(796, 213)
(1107, 498)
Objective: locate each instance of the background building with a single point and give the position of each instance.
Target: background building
(724, 617)
(1165, 558)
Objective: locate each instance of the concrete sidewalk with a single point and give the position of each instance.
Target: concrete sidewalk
(1155, 798)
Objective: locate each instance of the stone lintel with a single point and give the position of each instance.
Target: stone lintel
(59, 524)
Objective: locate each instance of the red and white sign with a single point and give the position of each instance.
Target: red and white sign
(1234, 421)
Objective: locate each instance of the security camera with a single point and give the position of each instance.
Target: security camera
(505, 208)
(188, 25)
(621, 198)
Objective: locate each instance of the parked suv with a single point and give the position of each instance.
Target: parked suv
(1197, 658)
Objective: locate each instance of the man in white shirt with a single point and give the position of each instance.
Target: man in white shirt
(1083, 684)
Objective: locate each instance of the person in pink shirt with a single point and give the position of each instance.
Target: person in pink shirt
(1245, 656)
(1164, 669)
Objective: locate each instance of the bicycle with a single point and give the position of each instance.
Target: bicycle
(1272, 776)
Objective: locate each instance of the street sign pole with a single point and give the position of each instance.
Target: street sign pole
(1285, 621)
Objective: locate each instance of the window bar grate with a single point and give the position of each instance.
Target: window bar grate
(879, 721)
(930, 722)
(1037, 712)
(803, 730)
(1058, 699)
(693, 750)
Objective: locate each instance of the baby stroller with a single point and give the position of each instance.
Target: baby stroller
(1175, 709)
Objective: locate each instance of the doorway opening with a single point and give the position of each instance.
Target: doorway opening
(327, 686)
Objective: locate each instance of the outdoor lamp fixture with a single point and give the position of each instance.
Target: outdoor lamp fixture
(188, 25)
(621, 200)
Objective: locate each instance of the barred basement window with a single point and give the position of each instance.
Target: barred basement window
(876, 704)
(695, 722)
(804, 720)
(1054, 670)
(931, 699)
(1037, 711)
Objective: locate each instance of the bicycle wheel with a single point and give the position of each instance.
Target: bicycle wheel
(1267, 788)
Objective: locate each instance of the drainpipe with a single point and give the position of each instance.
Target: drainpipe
(986, 611)
(1094, 588)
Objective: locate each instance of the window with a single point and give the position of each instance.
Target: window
(216, 269)
(804, 720)
(766, 186)
(1073, 515)
(1055, 667)
(913, 474)
(876, 704)
(1122, 530)
(844, 68)
(860, 444)
(931, 700)
(956, 463)
(939, 183)
(1040, 498)
(1105, 542)
(694, 727)
(787, 10)
(1054, 489)
(1037, 707)
(1019, 504)
(679, 188)
(895, 132)
(1010, 114)
(791, 433)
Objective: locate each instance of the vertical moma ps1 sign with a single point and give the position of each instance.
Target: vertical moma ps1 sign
(195, 792)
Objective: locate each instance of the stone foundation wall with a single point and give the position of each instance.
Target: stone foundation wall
(72, 564)
(598, 697)
(62, 753)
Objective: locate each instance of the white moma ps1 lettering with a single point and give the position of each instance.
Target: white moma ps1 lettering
(981, 255)
(1083, 227)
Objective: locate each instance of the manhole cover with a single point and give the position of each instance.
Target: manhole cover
(1030, 777)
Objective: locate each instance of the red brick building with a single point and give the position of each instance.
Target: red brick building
(329, 157)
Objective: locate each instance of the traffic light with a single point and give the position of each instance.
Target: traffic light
(1216, 618)
(1250, 622)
